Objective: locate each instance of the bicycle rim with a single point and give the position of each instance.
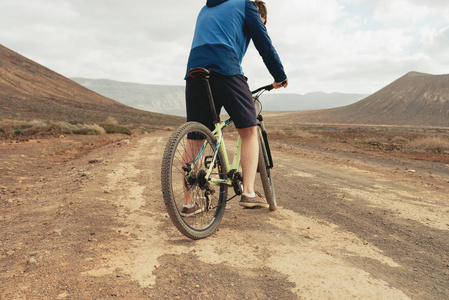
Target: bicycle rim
(265, 175)
(183, 148)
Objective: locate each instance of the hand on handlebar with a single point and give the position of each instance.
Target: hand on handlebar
(278, 85)
(274, 85)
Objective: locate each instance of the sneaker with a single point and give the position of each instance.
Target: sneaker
(191, 211)
(252, 202)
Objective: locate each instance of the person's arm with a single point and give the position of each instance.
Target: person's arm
(258, 33)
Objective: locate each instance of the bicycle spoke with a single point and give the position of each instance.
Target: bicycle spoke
(185, 164)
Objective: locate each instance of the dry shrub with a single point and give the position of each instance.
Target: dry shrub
(18, 127)
(67, 128)
(111, 120)
(303, 134)
(400, 140)
(429, 144)
(38, 123)
(40, 127)
(113, 128)
(8, 125)
(277, 131)
(97, 128)
(89, 129)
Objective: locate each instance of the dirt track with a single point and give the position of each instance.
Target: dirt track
(347, 228)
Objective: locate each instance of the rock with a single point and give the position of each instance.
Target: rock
(32, 261)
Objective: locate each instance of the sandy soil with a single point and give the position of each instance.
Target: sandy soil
(95, 227)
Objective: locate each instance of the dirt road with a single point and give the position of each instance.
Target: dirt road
(347, 228)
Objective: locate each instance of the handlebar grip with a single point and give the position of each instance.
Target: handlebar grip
(267, 88)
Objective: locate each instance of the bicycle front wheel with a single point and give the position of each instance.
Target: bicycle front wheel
(265, 173)
(195, 207)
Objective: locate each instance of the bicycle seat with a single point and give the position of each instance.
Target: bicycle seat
(198, 72)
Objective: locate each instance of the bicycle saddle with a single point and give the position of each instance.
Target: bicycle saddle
(198, 72)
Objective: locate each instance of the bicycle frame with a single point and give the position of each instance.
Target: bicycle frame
(220, 145)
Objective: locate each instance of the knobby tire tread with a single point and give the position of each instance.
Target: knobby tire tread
(166, 181)
(265, 174)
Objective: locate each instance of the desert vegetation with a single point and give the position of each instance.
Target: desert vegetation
(417, 143)
(38, 128)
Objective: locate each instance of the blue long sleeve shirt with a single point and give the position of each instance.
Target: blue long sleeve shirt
(223, 31)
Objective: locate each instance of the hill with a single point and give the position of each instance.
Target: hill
(415, 99)
(166, 99)
(171, 99)
(29, 91)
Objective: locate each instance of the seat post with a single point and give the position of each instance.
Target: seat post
(211, 100)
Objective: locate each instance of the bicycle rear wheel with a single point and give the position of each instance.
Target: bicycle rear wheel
(186, 159)
(265, 173)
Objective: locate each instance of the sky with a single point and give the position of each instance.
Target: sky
(347, 46)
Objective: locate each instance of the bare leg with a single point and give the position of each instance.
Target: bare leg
(249, 158)
(189, 155)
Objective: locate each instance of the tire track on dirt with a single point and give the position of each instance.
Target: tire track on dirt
(405, 219)
(255, 253)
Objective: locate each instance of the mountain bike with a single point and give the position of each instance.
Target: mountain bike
(196, 170)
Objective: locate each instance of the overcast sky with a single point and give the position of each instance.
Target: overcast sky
(350, 46)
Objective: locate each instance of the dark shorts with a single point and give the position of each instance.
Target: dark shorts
(230, 92)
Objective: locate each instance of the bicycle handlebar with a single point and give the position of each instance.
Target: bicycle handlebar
(267, 88)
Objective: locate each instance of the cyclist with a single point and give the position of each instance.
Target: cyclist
(223, 31)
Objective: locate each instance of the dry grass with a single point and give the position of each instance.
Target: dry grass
(10, 127)
(111, 120)
(414, 143)
(293, 132)
(438, 145)
(16, 129)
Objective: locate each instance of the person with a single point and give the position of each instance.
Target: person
(223, 31)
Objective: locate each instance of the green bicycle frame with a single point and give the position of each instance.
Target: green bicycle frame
(218, 133)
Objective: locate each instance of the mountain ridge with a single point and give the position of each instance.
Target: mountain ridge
(168, 99)
(29, 90)
(418, 99)
(171, 98)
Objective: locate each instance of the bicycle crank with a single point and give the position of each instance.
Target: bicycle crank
(237, 183)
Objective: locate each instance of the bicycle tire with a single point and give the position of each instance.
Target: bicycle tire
(178, 152)
(265, 173)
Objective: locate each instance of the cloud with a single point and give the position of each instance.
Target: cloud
(141, 41)
(353, 45)
(327, 45)
(436, 45)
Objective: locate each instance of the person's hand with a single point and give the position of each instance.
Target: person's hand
(278, 85)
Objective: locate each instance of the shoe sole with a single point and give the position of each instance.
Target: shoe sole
(254, 205)
(193, 213)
